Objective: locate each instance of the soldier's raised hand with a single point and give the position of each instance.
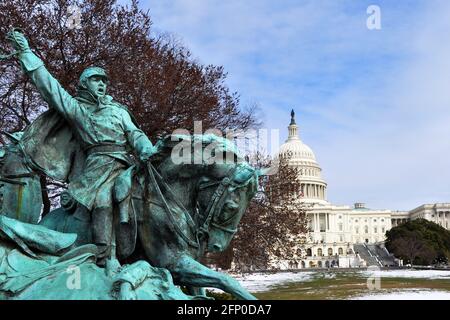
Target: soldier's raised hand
(18, 40)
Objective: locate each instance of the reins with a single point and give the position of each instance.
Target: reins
(151, 170)
(216, 203)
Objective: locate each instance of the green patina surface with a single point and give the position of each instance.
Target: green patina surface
(127, 203)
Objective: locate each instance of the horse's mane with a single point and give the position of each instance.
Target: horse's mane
(217, 145)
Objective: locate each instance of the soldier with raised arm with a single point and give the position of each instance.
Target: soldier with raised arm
(105, 130)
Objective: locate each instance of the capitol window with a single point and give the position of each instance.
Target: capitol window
(375, 230)
(366, 229)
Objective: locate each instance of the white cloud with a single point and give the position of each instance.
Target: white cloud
(374, 105)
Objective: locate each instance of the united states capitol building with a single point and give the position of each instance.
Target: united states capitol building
(343, 235)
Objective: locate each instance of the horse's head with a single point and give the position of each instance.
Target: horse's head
(222, 199)
(217, 183)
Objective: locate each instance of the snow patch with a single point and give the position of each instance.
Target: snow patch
(257, 282)
(425, 274)
(411, 294)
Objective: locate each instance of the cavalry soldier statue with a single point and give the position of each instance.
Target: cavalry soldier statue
(104, 130)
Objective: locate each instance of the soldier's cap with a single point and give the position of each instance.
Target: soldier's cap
(92, 71)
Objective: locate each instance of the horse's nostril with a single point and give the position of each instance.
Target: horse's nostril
(217, 247)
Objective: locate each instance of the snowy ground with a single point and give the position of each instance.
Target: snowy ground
(257, 282)
(407, 294)
(263, 282)
(423, 274)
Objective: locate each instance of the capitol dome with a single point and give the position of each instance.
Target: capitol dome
(298, 149)
(313, 187)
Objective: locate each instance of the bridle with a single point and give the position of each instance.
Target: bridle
(217, 201)
(215, 206)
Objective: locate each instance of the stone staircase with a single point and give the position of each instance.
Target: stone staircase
(365, 254)
(387, 259)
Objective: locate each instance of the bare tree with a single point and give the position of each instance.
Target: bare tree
(274, 226)
(154, 75)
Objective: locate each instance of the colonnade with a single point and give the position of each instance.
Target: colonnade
(311, 190)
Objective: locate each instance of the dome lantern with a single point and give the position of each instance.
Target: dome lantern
(293, 132)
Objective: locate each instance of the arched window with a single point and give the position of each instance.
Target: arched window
(340, 251)
(309, 252)
(330, 251)
(319, 264)
(366, 229)
(319, 252)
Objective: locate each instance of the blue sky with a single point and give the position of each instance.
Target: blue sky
(374, 105)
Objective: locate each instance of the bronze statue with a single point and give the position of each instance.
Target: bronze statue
(135, 221)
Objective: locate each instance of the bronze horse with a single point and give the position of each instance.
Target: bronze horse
(172, 212)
